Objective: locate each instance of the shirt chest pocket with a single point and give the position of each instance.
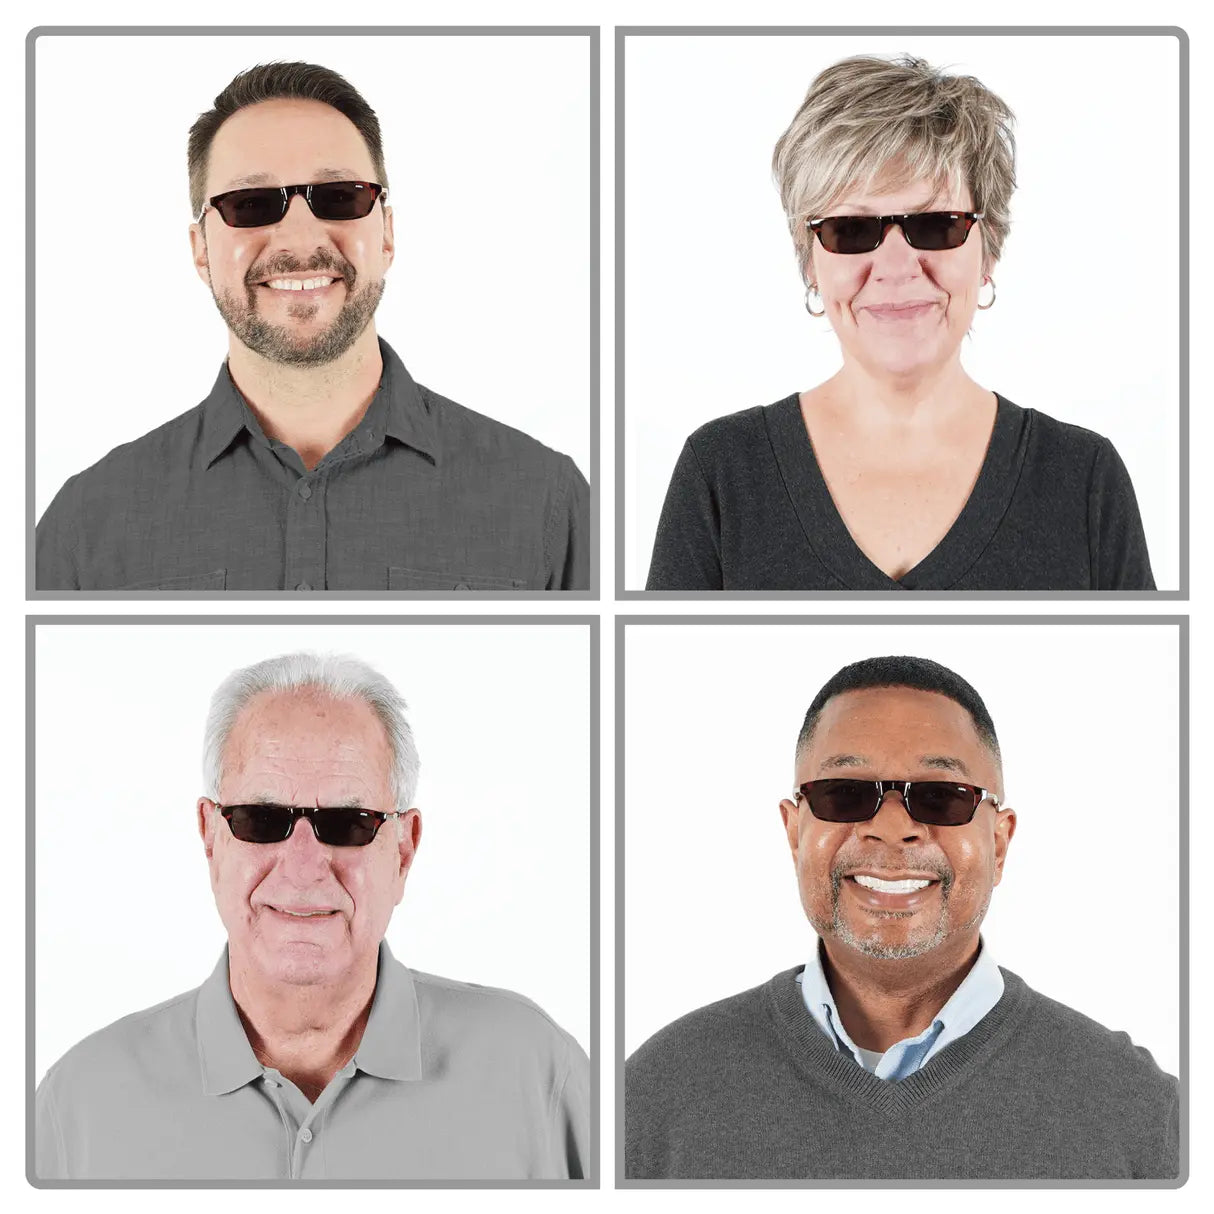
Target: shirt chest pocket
(400, 578)
(217, 579)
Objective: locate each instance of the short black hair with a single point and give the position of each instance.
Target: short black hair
(271, 82)
(921, 674)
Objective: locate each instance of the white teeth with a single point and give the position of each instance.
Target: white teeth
(306, 914)
(891, 887)
(298, 284)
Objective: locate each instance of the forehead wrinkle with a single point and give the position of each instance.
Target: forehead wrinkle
(270, 179)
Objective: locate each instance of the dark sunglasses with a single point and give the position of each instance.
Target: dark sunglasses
(333, 827)
(931, 802)
(927, 230)
(263, 205)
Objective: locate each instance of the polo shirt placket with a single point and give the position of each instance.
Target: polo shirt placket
(304, 1122)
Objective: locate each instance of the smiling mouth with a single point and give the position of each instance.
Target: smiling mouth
(903, 894)
(300, 285)
(316, 914)
(900, 311)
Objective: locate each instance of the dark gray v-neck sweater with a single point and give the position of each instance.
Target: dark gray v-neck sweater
(748, 509)
(750, 1087)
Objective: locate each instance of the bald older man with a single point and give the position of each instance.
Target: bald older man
(900, 1050)
(311, 1053)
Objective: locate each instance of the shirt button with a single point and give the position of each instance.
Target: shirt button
(305, 491)
(304, 586)
(305, 1135)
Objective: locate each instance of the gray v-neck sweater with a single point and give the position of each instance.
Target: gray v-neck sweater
(749, 509)
(750, 1087)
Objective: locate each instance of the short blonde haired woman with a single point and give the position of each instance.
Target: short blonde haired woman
(899, 472)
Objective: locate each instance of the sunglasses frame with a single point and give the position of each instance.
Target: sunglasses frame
(287, 192)
(889, 221)
(379, 816)
(903, 788)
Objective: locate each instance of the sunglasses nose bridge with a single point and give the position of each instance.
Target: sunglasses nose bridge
(310, 827)
(889, 222)
(897, 787)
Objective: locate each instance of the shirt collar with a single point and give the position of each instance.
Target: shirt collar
(226, 1059)
(965, 1007)
(392, 1041)
(405, 413)
(390, 1047)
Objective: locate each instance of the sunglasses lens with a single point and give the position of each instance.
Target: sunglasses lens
(935, 230)
(344, 827)
(251, 208)
(940, 804)
(259, 823)
(342, 200)
(850, 234)
(842, 800)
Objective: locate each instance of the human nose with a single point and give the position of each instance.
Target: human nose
(894, 252)
(298, 217)
(302, 852)
(892, 821)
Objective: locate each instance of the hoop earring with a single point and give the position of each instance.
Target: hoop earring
(809, 291)
(987, 307)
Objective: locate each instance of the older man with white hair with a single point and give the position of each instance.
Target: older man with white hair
(311, 1053)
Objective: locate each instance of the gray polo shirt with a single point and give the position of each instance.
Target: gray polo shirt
(450, 1081)
(423, 494)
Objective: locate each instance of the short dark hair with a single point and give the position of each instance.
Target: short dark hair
(921, 674)
(269, 82)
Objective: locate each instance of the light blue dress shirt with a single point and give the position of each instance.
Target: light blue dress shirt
(979, 991)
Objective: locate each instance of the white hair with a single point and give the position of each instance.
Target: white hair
(338, 676)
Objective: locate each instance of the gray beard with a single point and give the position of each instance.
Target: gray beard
(279, 344)
(873, 946)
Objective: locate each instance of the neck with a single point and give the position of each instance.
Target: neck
(926, 398)
(883, 1002)
(309, 408)
(307, 1032)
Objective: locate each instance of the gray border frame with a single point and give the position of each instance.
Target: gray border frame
(593, 1178)
(590, 32)
(622, 32)
(1181, 622)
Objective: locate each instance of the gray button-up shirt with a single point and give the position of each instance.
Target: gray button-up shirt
(450, 1081)
(422, 495)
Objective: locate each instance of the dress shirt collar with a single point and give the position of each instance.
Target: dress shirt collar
(390, 1046)
(979, 991)
(398, 402)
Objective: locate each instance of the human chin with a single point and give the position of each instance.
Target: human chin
(919, 348)
(891, 936)
(299, 342)
(303, 958)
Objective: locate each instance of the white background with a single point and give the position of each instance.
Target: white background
(1085, 324)
(499, 893)
(1121, 176)
(487, 301)
(1087, 911)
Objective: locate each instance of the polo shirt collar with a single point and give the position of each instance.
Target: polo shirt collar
(392, 1041)
(390, 1048)
(398, 400)
(225, 1056)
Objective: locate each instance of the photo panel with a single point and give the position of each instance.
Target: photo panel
(712, 305)
(490, 299)
(1090, 720)
(502, 890)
